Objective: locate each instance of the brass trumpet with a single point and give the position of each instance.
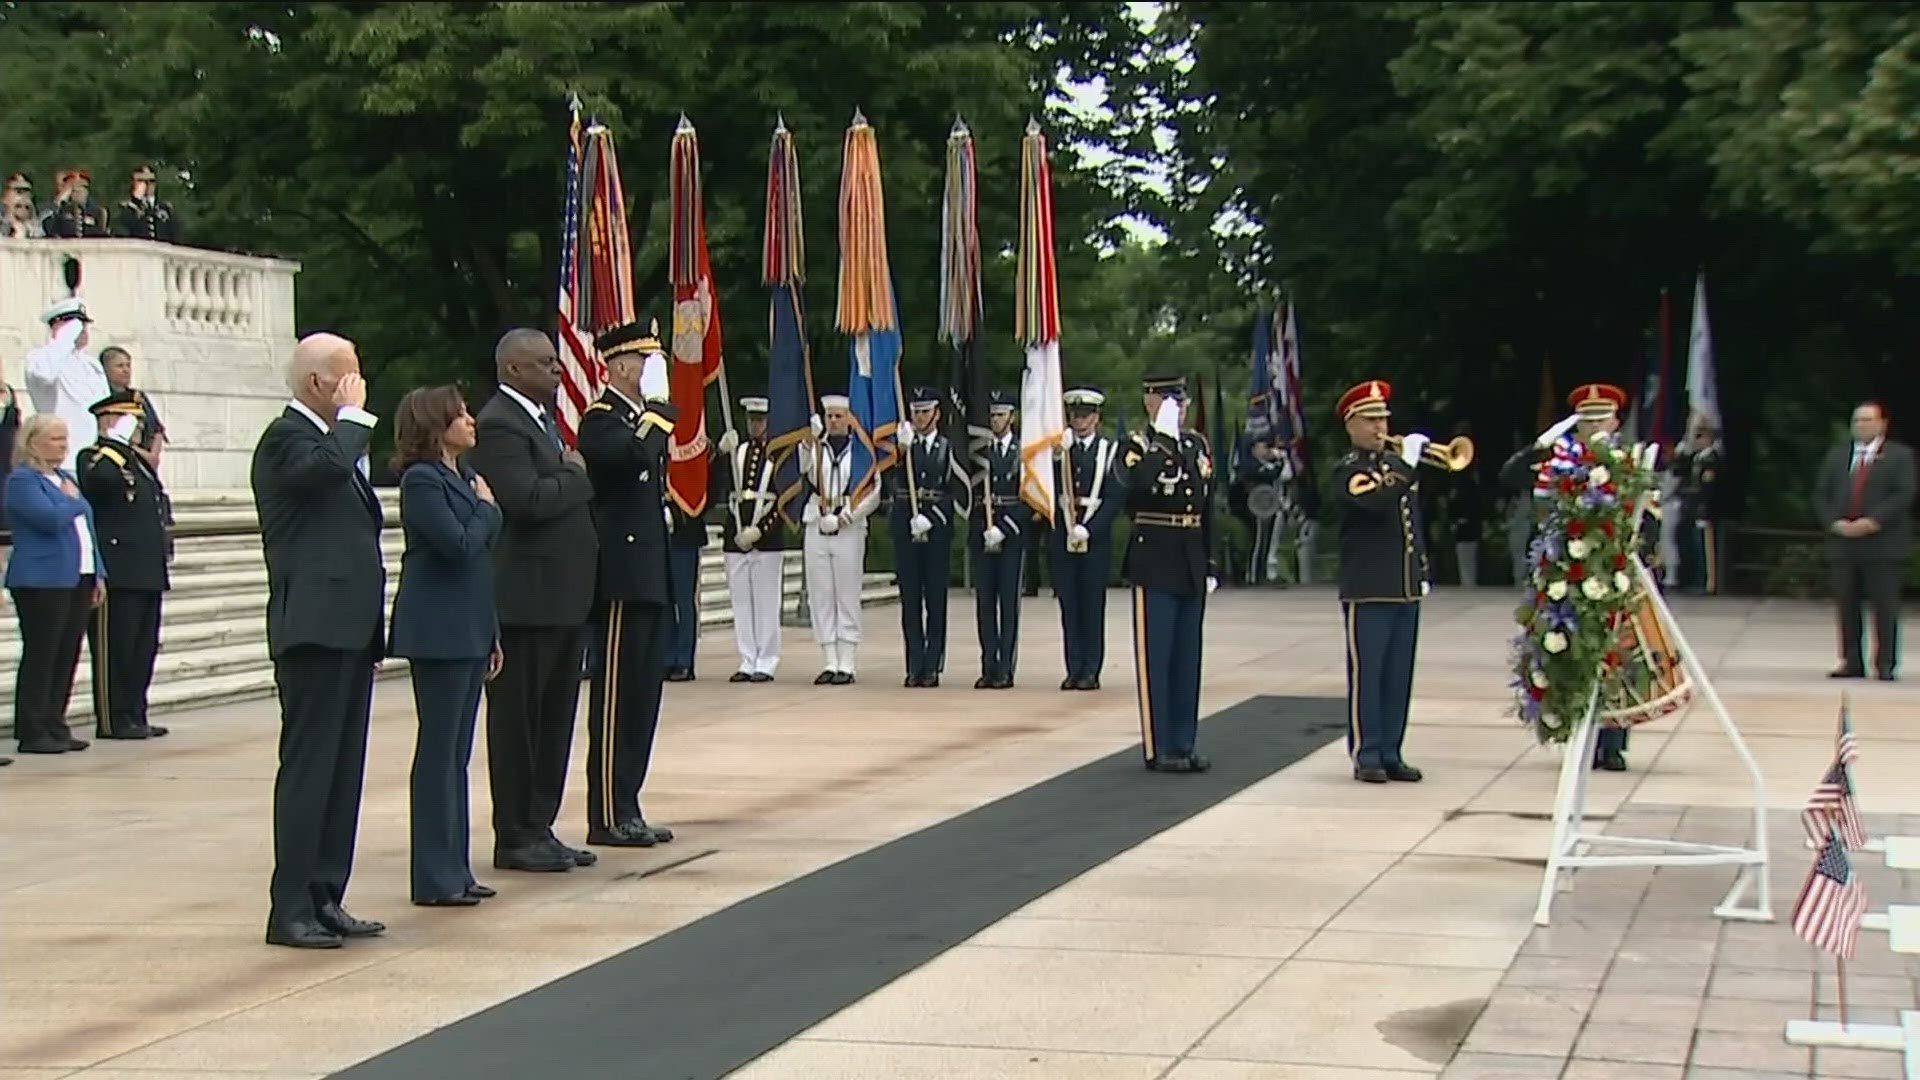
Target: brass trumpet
(1453, 456)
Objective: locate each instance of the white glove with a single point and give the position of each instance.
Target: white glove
(1552, 435)
(1167, 420)
(904, 435)
(1081, 535)
(921, 525)
(1212, 584)
(748, 536)
(1649, 456)
(730, 441)
(830, 524)
(1411, 446)
(994, 537)
(654, 384)
(667, 512)
(811, 514)
(846, 518)
(816, 425)
(70, 332)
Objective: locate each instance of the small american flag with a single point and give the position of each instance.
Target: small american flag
(1831, 809)
(1827, 914)
(1845, 749)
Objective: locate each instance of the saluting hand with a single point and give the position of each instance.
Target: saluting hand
(350, 392)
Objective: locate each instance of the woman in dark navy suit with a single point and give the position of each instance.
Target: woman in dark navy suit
(57, 579)
(443, 623)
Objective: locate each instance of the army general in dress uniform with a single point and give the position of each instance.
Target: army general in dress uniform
(1383, 576)
(1080, 550)
(625, 444)
(1169, 496)
(129, 517)
(997, 538)
(920, 520)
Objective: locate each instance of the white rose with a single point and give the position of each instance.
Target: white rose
(1540, 679)
(1594, 588)
(1620, 581)
(1578, 549)
(1557, 591)
(1599, 475)
(1554, 642)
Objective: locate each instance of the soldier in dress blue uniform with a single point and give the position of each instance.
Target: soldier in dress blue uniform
(1080, 550)
(997, 537)
(129, 515)
(1383, 576)
(1169, 496)
(624, 438)
(920, 518)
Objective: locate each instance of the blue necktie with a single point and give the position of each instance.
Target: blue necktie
(552, 429)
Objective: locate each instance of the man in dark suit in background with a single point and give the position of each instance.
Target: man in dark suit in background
(326, 586)
(543, 590)
(1864, 496)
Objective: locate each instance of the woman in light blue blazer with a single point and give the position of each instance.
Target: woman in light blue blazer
(56, 578)
(443, 623)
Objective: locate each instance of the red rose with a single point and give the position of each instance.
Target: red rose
(1535, 692)
(1619, 562)
(1586, 454)
(1576, 529)
(1607, 527)
(1566, 485)
(1577, 572)
(1608, 489)
(1613, 659)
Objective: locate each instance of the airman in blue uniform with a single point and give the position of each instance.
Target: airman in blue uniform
(920, 519)
(1169, 497)
(997, 537)
(1080, 548)
(1383, 576)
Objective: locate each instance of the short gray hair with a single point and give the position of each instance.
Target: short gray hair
(313, 355)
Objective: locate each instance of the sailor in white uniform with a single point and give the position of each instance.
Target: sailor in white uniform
(65, 379)
(754, 540)
(836, 539)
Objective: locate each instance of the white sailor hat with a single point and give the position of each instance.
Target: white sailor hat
(1085, 395)
(754, 404)
(69, 308)
(835, 401)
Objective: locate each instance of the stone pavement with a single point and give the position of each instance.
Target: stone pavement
(1308, 927)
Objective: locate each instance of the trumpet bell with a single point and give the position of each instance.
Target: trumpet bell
(1453, 456)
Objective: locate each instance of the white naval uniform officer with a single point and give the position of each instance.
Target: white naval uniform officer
(754, 541)
(836, 539)
(65, 379)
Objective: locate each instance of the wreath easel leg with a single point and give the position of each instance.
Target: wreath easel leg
(1569, 806)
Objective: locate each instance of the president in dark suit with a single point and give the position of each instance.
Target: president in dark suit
(320, 524)
(443, 623)
(1864, 495)
(543, 592)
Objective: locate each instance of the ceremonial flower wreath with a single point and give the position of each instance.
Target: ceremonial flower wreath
(1582, 587)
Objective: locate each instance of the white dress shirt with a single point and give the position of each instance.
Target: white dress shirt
(351, 415)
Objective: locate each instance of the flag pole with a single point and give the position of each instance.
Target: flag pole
(1840, 980)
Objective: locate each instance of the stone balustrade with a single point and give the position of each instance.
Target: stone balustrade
(210, 335)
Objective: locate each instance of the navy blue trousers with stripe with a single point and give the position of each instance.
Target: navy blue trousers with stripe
(1166, 657)
(1380, 647)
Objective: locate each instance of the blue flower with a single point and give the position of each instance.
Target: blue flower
(1561, 616)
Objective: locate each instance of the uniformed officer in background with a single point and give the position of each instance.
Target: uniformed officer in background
(1698, 470)
(1080, 548)
(1383, 576)
(997, 537)
(920, 520)
(129, 517)
(74, 214)
(143, 214)
(686, 539)
(1169, 497)
(624, 439)
(753, 540)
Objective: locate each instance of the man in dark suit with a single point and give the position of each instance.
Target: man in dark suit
(1865, 499)
(129, 514)
(626, 445)
(320, 525)
(543, 592)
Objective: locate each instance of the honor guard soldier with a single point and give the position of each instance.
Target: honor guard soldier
(129, 516)
(1383, 576)
(624, 438)
(143, 214)
(1698, 469)
(755, 542)
(836, 538)
(1080, 549)
(686, 539)
(997, 536)
(920, 520)
(74, 214)
(1169, 496)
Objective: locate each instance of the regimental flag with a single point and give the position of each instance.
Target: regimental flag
(1291, 410)
(596, 267)
(867, 312)
(962, 313)
(1043, 413)
(1827, 913)
(783, 266)
(696, 327)
(1262, 401)
(1831, 807)
(1703, 394)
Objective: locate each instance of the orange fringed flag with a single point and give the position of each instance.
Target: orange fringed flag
(866, 281)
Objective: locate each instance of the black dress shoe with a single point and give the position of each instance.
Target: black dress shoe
(825, 678)
(660, 832)
(1371, 776)
(1197, 763)
(622, 834)
(739, 676)
(986, 682)
(43, 746)
(535, 858)
(580, 856)
(130, 732)
(335, 918)
(1885, 676)
(5, 760)
(842, 678)
(761, 676)
(154, 731)
(77, 744)
(1407, 774)
(912, 680)
(1071, 682)
(930, 681)
(1612, 761)
(1004, 682)
(1846, 673)
(481, 892)
(303, 934)
(1088, 682)
(464, 899)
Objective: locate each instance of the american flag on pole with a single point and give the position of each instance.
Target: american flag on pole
(1285, 378)
(596, 267)
(1827, 913)
(581, 372)
(1831, 807)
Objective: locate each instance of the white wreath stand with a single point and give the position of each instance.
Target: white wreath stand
(1573, 847)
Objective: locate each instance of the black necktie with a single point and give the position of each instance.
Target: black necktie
(552, 429)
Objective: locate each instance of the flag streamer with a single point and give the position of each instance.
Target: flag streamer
(697, 358)
(689, 225)
(866, 282)
(783, 256)
(1043, 420)
(783, 266)
(961, 313)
